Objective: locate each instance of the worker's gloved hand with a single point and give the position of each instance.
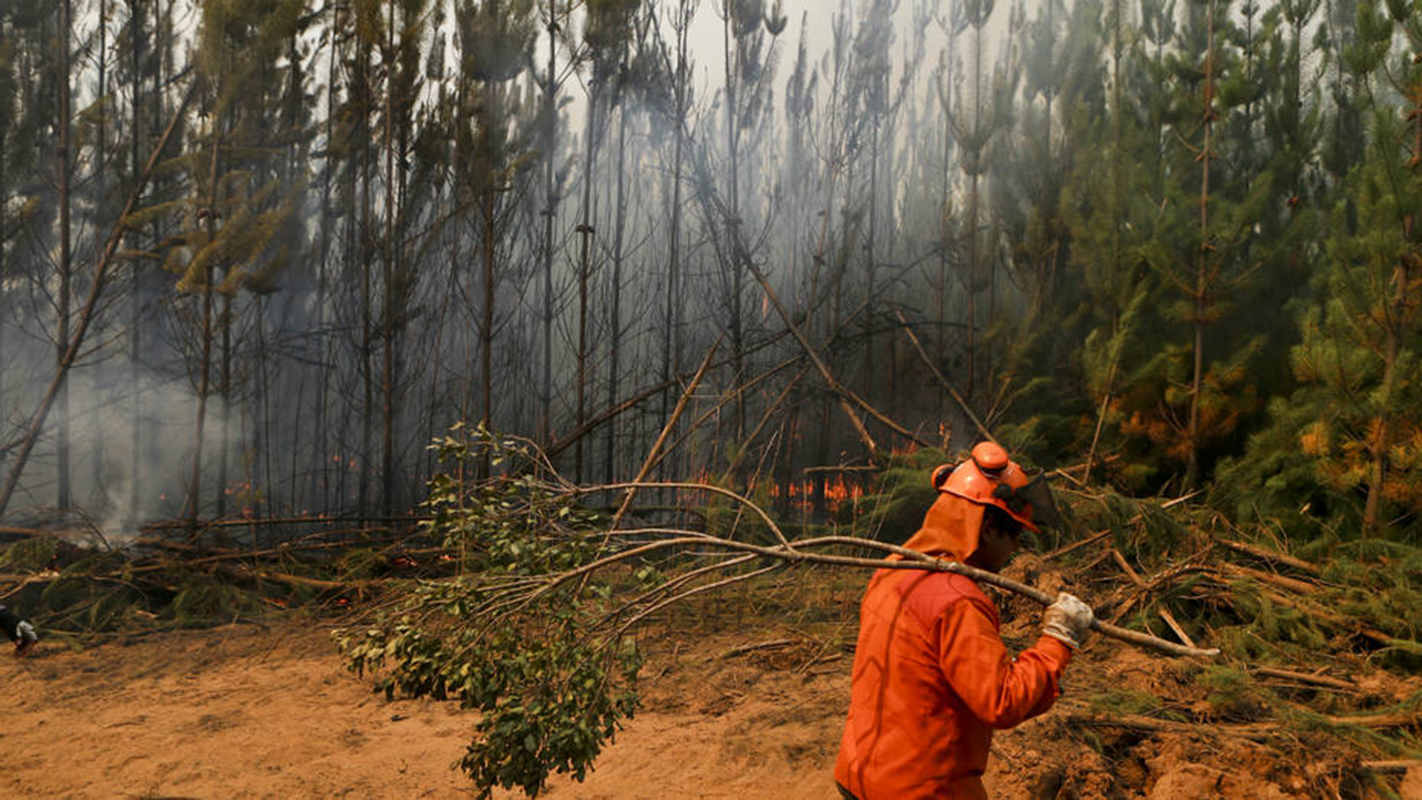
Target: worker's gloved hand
(25, 637)
(1068, 619)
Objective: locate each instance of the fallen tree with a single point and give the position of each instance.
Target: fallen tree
(537, 632)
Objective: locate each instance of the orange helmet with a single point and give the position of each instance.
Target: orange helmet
(989, 478)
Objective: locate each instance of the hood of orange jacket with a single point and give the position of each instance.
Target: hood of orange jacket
(950, 529)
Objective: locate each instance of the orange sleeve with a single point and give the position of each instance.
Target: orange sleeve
(1000, 691)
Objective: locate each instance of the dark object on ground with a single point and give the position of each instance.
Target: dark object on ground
(19, 631)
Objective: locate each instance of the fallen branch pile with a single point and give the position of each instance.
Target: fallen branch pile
(1319, 640)
(174, 576)
(531, 596)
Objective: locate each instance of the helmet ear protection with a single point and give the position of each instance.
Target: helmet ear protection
(940, 474)
(990, 478)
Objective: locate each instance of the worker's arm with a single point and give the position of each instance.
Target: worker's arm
(999, 690)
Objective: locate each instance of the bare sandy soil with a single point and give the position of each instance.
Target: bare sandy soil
(242, 711)
(247, 711)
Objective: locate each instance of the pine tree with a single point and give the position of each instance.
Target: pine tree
(974, 124)
(63, 165)
(331, 156)
(140, 74)
(401, 40)
(550, 82)
(1343, 123)
(623, 90)
(1286, 149)
(496, 40)
(1345, 447)
(12, 142)
(1197, 249)
(1053, 170)
(750, 30)
(236, 207)
(870, 86)
(945, 80)
(668, 90)
(1104, 212)
(608, 25)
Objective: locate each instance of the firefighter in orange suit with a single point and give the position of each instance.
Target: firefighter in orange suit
(932, 678)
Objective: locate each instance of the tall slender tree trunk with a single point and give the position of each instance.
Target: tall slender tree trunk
(387, 316)
(734, 64)
(367, 314)
(486, 328)
(1050, 90)
(322, 339)
(550, 212)
(870, 290)
(836, 289)
(615, 325)
(585, 229)
(819, 261)
(1381, 438)
(671, 330)
(973, 265)
(224, 406)
(257, 470)
(205, 357)
(354, 269)
(1051, 256)
(940, 335)
(438, 353)
(1116, 115)
(1192, 469)
(1116, 223)
(4, 237)
(136, 282)
(1158, 124)
(1246, 143)
(335, 471)
(101, 176)
(64, 498)
(1397, 310)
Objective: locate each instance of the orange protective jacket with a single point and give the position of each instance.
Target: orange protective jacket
(932, 678)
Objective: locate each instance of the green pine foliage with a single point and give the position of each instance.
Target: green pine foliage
(893, 508)
(1353, 420)
(1234, 695)
(1131, 701)
(29, 555)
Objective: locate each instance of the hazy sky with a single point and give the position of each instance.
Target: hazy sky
(814, 17)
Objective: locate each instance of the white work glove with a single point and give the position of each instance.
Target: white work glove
(25, 637)
(1068, 619)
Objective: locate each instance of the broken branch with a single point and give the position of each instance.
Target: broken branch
(1270, 555)
(666, 431)
(923, 355)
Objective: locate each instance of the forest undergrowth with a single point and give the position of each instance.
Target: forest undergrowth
(542, 604)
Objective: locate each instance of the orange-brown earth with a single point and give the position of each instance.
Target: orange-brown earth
(248, 711)
(268, 711)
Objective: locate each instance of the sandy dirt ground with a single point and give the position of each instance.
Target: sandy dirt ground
(244, 711)
(249, 711)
